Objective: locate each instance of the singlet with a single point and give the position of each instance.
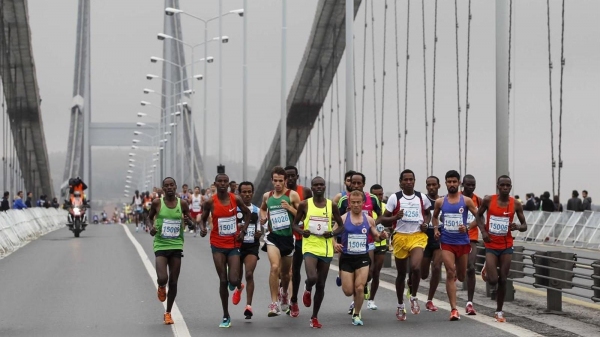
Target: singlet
(169, 227)
(185, 196)
(280, 220)
(196, 206)
(413, 205)
(498, 223)
(454, 215)
(371, 207)
(473, 232)
(252, 227)
(430, 232)
(318, 221)
(354, 238)
(138, 202)
(225, 228)
(300, 190)
(147, 203)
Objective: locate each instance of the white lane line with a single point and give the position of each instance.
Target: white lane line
(506, 327)
(180, 329)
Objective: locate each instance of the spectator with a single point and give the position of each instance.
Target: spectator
(28, 200)
(5, 206)
(530, 203)
(518, 198)
(546, 204)
(18, 203)
(41, 200)
(575, 204)
(558, 207)
(55, 203)
(587, 201)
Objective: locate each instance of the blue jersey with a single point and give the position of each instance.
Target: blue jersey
(454, 215)
(354, 238)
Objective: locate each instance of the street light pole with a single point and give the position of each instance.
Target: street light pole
(244, 98)
(220, 85)
(349, 84)
(283, 125)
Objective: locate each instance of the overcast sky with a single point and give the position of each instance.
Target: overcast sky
(124, 38)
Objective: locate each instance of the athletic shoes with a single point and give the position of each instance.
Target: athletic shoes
(294, 311)
(401, 313)
(469, 309)
(237, 295)
(356, 320)
(307, 298)
(430, 306)
(314, 323)
(248, 312)
(225, 323)
(499, 316)
(414, 306)
(167, 318)
(273, 310)
(454, 315)
(284, 302)
(162, 293)
(371, 305)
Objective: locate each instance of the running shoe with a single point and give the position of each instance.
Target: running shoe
(338, 281)
(167, 318)
(314, 323)
(294, 310)
(430, 306)
(162, 293)
(273, 310)
(356, 320)
(401, 313)
(454, 315)
(414, 306)
(499, 316)
(469, 309)
(284, 302)
(351, 308)
(307, 298)
(237, 295)
(371, 305)
(226, 323)
(367, 291)
(248, 312)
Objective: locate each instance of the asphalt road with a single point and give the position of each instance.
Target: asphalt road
(98, 285)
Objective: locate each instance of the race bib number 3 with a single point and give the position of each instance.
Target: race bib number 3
(249, 237)
(280, 219)
(411, 213)
(170, 229)
(498, 225)
(452, 221)
(357, 244)
(318, 225)
(227, 226)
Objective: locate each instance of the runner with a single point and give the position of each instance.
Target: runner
(168, 245)
(278, 209)
(454, 236)
(468, 185)
(136, 201)
(354, 261)
(185, 193)
(432, 255)
(381, 248)
(317, 214)
(496, 233)
(196, 210)
(336, 199)
(304, 193)
(407, 208)
(225, 238)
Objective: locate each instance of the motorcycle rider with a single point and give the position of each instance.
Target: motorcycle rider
(75, 201)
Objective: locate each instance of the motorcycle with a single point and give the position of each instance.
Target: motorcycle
(77, 217)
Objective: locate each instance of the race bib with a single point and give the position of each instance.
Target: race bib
(280, 219)
(170, 229)
(452, 221)
(249, 237)
(412, 213)
(357, 244)
(470, 218)
(318, 224)
(498, 225)
(227, 226)
(196, 206)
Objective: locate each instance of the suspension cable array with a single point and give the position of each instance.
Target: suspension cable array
(406, 81)
(364, 87)
(562, 69)
(383, 91)
(435, 39)
(467, 104)
(425, 89)
(458, 89)
(397, 83)
(553, 165)
(374, 90)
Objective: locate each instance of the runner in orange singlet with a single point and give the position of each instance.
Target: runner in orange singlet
(468, 186)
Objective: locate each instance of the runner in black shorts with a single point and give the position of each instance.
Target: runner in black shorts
(381, 248)
(432, 254)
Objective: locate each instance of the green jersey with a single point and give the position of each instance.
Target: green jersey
(169, 227)
(280, 219)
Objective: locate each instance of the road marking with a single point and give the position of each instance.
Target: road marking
(506, 327)
(180, 329)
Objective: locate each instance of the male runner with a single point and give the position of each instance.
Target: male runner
(137, 203)
(381, 248)
(432, 255)
(278, 209)
(304, 193)
(249, 248)
(317, 214)
(170, 212)
(468, 185)
(348, 187)
(225, 238)
(354, 261)
(185, 193)
(454, 236)
(496, 233)
(407, 208)
(196, 203)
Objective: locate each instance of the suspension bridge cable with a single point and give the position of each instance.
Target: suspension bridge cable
(364, 87)
(425, 89)
(562, 69)
(374, 90)
(397, 84)
(355, 95)
(553, 165)
(310, 156)
(467, 104)
(433, 94)
(325, 170)
(320, 116)
(305, 161)
(458, 89)
(406, 81)
(330, 130)
(383, 91)
(337, 94)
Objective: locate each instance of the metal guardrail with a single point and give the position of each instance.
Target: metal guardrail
(17, 227)
(567, 229)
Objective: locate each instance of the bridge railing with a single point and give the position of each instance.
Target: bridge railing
(18, 227)
(567, 229)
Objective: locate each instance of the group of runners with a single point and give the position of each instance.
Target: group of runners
(299, 224)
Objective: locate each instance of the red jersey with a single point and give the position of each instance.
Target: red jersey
(224, 221)
(300, 190)
(498, 224)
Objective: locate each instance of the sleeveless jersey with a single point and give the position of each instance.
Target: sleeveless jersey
(137, 202)
(370, 207)
(317, 221)
(354, 238)
(430, 232)
(473, 232)
(414, 207)
(280, 220)
(147, 203)
(498, 224)
(169, 227)
(225, 228)
(300, 190)
(454, 215)
(254, 226)
(185, 196)
(196, 205)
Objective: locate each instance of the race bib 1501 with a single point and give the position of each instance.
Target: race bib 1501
(227, 226)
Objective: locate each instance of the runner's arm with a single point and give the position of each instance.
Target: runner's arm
(207, 209)
(245, 211)
(376, 235)
(471, 206)
(337, 218)
(480, 219)
(300, 214)
(151, 214)
(521, 216)
(338, 231)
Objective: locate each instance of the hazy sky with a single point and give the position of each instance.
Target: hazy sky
(124, 38)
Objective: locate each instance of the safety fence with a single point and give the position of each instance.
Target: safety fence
(567, 229)
(17, 227)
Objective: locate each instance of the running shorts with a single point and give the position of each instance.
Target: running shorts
(403, 243)
(458, 250)
(350, 263)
